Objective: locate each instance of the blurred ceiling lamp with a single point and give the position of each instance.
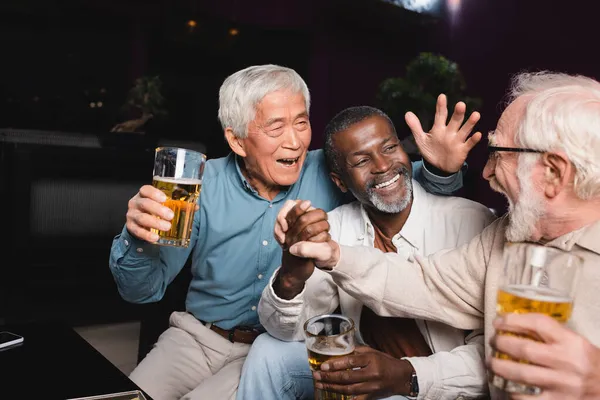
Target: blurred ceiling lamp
(454, 5)
(233, 31)
(191, 24)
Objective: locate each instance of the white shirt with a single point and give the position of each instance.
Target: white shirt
(435, 223)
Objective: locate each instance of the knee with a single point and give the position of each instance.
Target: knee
(268, 352)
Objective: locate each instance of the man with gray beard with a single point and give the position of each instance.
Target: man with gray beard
(394, 214)
(544, 159)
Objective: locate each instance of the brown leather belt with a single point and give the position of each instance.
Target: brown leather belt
(239, 334)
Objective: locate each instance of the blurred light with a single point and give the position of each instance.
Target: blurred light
(92, 105)
(233, 31)
(35, 99)
(416, 5)
(102, 90)
(453, 5)
(192, 23)
(99, 104)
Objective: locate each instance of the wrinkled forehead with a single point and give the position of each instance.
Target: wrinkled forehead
(506, 129)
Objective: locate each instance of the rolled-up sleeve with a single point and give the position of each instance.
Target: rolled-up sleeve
(142, 270)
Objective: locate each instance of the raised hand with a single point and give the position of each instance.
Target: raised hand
(446, 146)
(145, 211)
(563, 364)
(366, 372)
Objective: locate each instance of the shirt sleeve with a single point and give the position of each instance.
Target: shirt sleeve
(447, 286)
(143, 270)
(284, 319)
(448, 375)
(442, 185)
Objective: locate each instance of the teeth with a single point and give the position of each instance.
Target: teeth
(388, 183)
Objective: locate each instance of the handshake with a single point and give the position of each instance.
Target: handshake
(303, 233)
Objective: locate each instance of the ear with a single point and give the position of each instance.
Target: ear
(558, 173)
(235, 143)
(338, 181)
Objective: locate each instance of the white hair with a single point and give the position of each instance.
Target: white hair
(563, 114)
(241, 92)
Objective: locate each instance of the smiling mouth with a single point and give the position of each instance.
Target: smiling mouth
(288, 162)
(387, 183)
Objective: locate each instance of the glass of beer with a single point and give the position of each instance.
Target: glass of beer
(178, 174)
(328, 336)
(537, 279)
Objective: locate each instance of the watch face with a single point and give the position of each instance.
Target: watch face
(414, 385)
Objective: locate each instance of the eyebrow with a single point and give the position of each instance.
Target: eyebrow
(491, 138)
(271, 121)
(363, 152)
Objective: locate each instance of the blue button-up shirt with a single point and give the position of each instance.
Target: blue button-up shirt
(233, 249)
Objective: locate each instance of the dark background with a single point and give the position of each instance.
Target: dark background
(59, 57)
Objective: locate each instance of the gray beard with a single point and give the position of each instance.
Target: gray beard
(523, 216)
(397, 205)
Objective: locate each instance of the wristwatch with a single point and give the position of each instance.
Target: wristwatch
(414, 387)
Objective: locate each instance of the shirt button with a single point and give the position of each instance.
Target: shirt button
(253, 308)
(265, 243)
(259, 276)
(126, 242)
(139, 250)
(270, 205)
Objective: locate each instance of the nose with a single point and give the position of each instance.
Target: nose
(292, 141)
(488, 169)
(381, 164)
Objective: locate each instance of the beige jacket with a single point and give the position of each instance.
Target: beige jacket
(459, 286)
(456, 370)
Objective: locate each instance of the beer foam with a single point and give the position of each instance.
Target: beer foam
(333, 351)
(181, 181)
(537, 293)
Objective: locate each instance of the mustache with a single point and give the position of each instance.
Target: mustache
(496, 186)
(402, 170)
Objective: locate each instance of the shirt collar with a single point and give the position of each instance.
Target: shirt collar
(587, 237)
(412, 231)
(240, 176)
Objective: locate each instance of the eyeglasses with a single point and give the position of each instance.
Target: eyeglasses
(493, 150)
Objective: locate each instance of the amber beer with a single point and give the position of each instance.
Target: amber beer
(182, 196)
(536, 279)
(328, 337)
(532, 299)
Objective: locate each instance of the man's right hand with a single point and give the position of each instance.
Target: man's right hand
(296, 222)
(145, 211)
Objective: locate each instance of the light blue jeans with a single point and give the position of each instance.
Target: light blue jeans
(277, 370)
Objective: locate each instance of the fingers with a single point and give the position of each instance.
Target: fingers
(296, 212)
(281, 225)
(321, 237)
(532, 374)
(150, 192)
(441, 111)
(458, 117)
(414, 124)
(345, 363)
(141, 232)
(526, 349)
(472, 141)
(548, 329)
(326, 255)
(466, 129)
(309, 224)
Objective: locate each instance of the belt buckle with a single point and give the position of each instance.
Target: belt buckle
(246, 328)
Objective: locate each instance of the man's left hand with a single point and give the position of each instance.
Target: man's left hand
(446, 146)
(564, 365)
(365, 372)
